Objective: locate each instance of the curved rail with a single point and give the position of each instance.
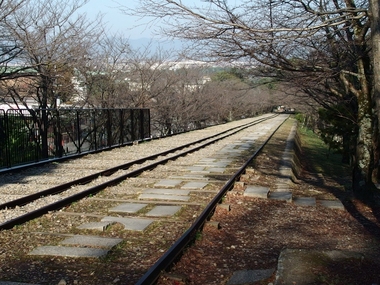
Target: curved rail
(95, 189)
(178, 247)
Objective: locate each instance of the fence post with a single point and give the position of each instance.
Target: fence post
(109, 131)
(121, 126)
(78, 132)
(58, 136)
(44, 134)
(132, 125)
(7, 142)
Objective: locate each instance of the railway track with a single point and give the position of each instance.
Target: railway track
(141, 209)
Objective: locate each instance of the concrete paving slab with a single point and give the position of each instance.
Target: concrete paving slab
(168, 183)
(222, 164)
(132, 224)
(207, 159)
(249, 276)
(92, 241)
(217, 164)
(249, 139)
(204, 172)
(98, 226)
(301, 266)
(332, 204)
(247, 142)
(194, 185)
(225, 160)
(285, 196)
(228, 153)
(127, 208)
(69, 251)
(216, 170)
(256, 191)
(305, 201)
(286, 172)
(180, 192)
(194, 176)
(149, 196)
(283, 184)
(196, 168)
(163, 211)
(204, 163)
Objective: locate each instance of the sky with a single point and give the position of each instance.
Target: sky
(131, 27)
(114, 19)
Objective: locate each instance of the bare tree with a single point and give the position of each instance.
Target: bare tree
(10, 49)
(324, 47)
(105, 72)
(54, 39)
(183, 106)
(148, 75)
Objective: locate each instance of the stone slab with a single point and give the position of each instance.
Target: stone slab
(224, 160)
(216, 170)
(228, 153)
(249, 276)
(283, 195)
(210, 159)
(92, 241)
(332, 204)
(305, 201)
(98, 226)
(127, 208)
(195, 168)
(215, 164)
(251, 139)
(163, 211)
(286, 172)
(282, 186)
(256, 191)
(150, 196)
(246, 143)
(191, 177)
(301, 266)
(69, 251)
(132, 224)
(204, 172)
(194, 185)
(168, 183)
(179, 192)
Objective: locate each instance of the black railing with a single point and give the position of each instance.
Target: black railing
(29, 136)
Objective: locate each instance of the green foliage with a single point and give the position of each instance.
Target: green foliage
(21, 144)
(300, 117)
(268, 82)
(335, 127)
(198, 235)
(319, 157)
(231, 74)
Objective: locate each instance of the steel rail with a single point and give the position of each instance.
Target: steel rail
(84, 180)
(95, 189)
(172, 254)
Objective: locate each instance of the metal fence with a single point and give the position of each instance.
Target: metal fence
(29, 136)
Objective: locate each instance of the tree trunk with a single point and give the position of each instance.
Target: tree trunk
(364, 152)
(375, 36)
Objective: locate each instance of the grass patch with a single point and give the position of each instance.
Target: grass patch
(319, 158)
